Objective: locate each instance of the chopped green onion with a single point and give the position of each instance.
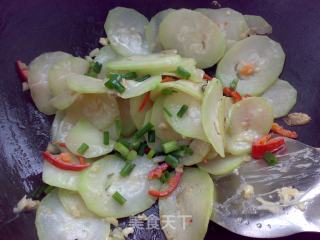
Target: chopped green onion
(141, 149)
(151, 136)
(182, 111)
(118, 126)
(169, 147)
(134, 143)
(127, 169)
(129, 75)
(168, 91)
(116, 85)
(146, 128)
(182, 152)
(142, 78)
(182, 72)
(234, 84)
(49, 189)
(123, 150)
(171, 160)
(151, 153)
(119, 198)
(270, 158)
(106, 138)
(124, 142)
(83, 148)
(167, 111)
(96, 67)
(114, 76)
(165, 177)
(132, 155)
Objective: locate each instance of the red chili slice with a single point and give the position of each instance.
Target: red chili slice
(157, 172)
(22, 70)
(283, 132)
(173, 183)
(64, 165)
(265, 144)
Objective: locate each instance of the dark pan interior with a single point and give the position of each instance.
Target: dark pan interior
(31, 27)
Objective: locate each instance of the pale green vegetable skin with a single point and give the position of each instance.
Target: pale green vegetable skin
(125, 29)
(38, 79)
(282, 96)
(100, 181)
(57, 177)
(134, 88)
(212, 115)
(85, 132)
(53, 222)
(200, 151)
(162, 129)
(231, 22)
(152, 30)
(74, 204)
(222, 166)
(63, 70)
(194, 36)
(265, 54)
(85, 84)
(152, 63)
(190, 124)
(249, 120)
(185, 86)
(193, 198)
(136, 115)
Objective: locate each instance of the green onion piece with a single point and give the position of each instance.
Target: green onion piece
(114, 76)
(270, 158)
(167, 111)
(168, 91)
(120, 148)
(127, 169)
(116, 85)
(132, 155)
(151, 153)
(129, 75)
(106, 138)
(134, 143)
(119, 87)
(118, 126)
(234, 84)
(141, 149)
(151, 136)
(49, 189)
(91, 73)
(142, 78)
(119, 198)
(182, 111)
(172, 161)
(146, 128)
(96, 67)
(83, 148)
(169, 147)
(182, 152)
(182, 72)
(165, 177)
(124, 142)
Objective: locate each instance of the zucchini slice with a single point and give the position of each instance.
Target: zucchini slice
(99, 182)
(264, 55)
(54, 222)
(189, 207)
